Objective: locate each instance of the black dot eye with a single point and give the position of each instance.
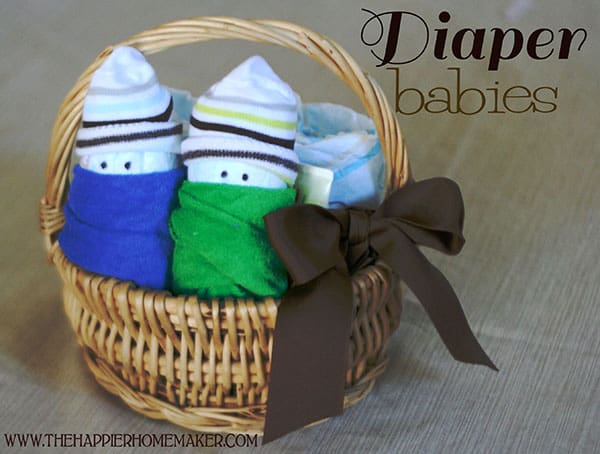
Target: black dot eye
(245, 177)
(127, 165)
(103, 164)
(224, 174)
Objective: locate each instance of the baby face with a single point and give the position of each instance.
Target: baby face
(129, 163)
(225, 171)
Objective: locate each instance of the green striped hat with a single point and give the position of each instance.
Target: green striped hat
(250, 115)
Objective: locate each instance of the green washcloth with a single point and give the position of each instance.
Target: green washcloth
(221, 244)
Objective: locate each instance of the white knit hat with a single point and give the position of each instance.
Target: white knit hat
(250, 115)
(126, 109)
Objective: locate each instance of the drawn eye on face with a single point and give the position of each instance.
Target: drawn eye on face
(223, 171)
(128, 163)
(100, 163)
(225, 174)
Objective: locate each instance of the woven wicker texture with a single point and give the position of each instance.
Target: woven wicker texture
(205, 364)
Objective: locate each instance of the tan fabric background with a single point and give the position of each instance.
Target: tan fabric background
(528, 276)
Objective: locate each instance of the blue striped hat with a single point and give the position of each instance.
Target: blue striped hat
(250, 115)
(126, 109)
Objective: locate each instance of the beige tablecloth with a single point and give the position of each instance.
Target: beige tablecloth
(528, 276)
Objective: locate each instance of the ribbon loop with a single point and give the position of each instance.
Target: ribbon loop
(430, 212)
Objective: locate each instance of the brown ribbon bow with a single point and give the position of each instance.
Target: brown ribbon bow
(320, 249)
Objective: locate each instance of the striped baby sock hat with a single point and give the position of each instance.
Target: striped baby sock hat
(126, 109)
(250, 115)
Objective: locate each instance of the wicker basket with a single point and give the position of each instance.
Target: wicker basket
(205, 365)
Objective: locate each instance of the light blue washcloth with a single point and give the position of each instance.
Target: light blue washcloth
(183, 103)
(340, 139)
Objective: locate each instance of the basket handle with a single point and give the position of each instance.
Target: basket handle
(180, 32)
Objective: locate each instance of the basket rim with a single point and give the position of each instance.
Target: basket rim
(126, 295)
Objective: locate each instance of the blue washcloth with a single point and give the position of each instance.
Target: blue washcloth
(117, 225)
(337, 138)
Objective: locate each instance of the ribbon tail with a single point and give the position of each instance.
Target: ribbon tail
(310, 354)
(438, 299)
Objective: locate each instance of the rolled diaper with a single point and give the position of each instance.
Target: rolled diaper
(241, 166)
(117, 225)
(337, 138)
(125, 186)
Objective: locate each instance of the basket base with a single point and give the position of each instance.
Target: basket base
(173, 358)
(244, 420)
